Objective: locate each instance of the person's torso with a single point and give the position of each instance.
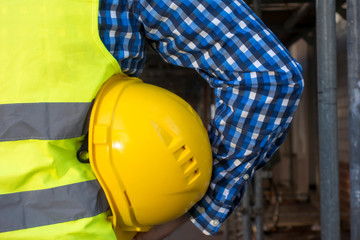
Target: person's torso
(52, 63)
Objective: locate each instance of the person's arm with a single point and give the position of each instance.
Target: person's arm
(257, 85)
(161, 231)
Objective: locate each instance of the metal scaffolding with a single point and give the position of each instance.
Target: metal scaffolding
(353, 42)
(327, 110)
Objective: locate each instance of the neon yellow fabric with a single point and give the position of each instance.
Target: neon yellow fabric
(60, 34)
(95, 229)
(57, 158)
(50, 51)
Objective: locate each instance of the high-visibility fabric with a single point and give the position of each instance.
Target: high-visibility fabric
(51, 51)
(94, 228)
(19, 123)
(52, 64)
(40, 211)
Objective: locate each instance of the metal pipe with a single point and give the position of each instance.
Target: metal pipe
(353, 45)
(226, 230)
(291, 162)
(238, 221)
(327, 110)
(259, 213)
(246, 211)
(296, 17)
(257, 8)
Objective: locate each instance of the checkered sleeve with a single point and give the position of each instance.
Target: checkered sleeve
(257, 86)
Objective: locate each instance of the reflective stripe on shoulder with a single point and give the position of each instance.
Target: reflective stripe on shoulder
(44, 121)
(50, 206)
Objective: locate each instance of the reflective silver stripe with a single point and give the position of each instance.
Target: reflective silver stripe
(56, 205)
(45, 121)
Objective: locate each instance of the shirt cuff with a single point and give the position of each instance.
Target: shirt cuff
(208, 215)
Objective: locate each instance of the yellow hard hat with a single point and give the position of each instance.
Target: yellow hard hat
(149, 151)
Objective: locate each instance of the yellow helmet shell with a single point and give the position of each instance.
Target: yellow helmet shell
(150, 152)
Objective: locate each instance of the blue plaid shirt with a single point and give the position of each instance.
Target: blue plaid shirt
(257, 83)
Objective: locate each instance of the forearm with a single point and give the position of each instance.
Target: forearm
(161, 231)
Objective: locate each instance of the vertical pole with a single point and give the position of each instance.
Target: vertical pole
(257, 8)
(313, 142)
(238, 219)
(291, 160)
(227, 228)
(353, 45)
(246, 214)
(259, 221)
(327, 110)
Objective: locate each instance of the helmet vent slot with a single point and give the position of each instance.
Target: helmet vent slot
(181, 153)
(189, 165)
(193, 176)
(191, 170)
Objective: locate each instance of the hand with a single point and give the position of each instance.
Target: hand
(161, 231)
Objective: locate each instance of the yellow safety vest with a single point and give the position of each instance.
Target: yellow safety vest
(52, 63)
